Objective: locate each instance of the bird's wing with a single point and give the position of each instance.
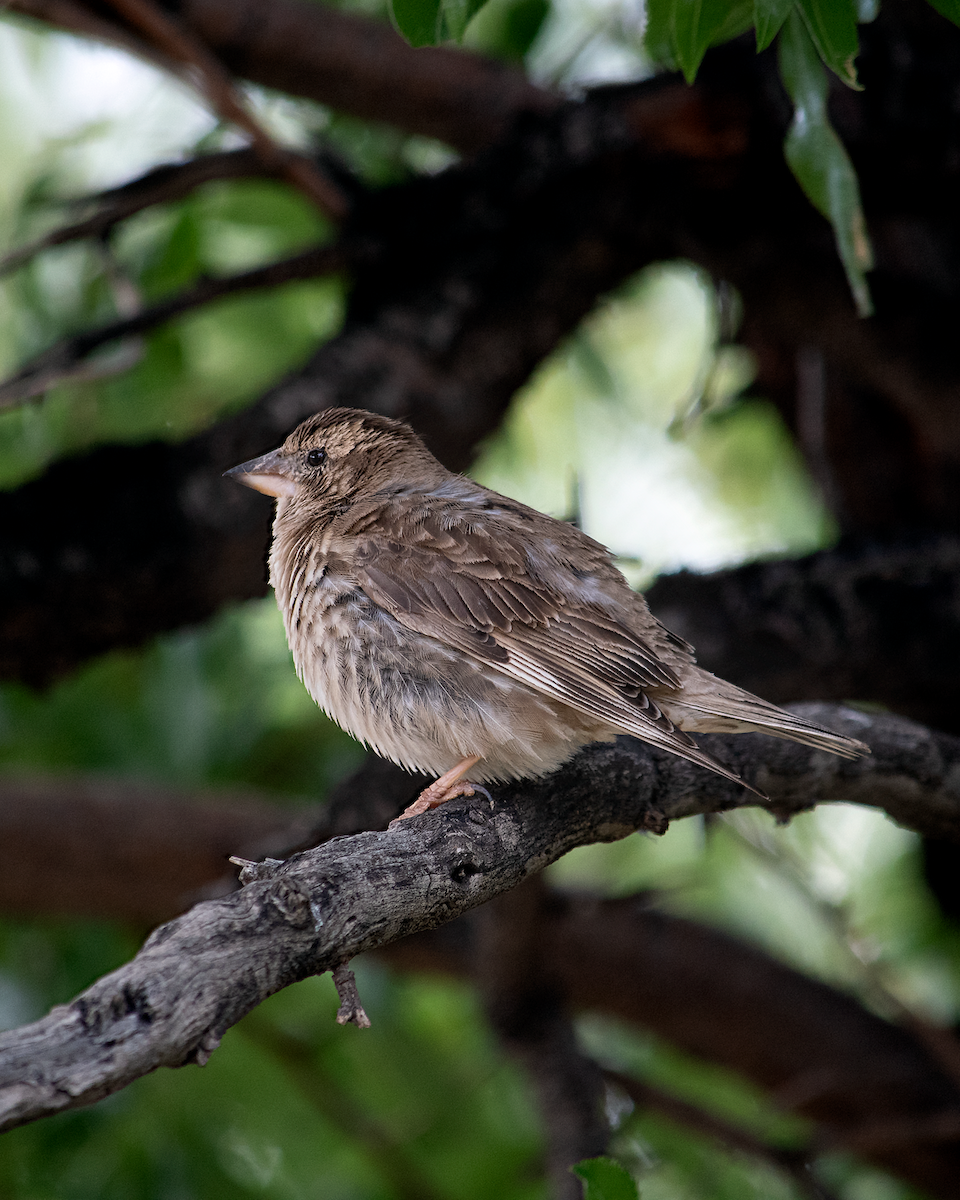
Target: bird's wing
(465, 577)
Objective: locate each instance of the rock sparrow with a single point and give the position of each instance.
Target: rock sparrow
(460, 633)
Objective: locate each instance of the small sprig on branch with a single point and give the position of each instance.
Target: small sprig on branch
(351, 1011)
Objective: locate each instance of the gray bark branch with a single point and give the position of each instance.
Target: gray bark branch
(199, 974)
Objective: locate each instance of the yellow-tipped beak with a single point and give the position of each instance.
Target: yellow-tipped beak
(267, 474)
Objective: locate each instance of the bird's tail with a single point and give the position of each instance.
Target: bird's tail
(711, 705)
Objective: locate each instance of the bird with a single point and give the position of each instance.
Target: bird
(466, 636)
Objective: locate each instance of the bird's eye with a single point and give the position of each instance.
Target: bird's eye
(316, 458)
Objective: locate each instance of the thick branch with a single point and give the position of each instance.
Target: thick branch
(615, 956)
(870, 619)
(198, 975)
(352, 63)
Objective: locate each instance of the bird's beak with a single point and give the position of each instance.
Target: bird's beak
(266, 474)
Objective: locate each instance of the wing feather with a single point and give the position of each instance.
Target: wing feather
(465, 578)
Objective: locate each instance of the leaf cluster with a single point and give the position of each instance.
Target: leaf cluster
(815, 38)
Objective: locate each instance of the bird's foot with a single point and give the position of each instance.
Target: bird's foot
(450, 785)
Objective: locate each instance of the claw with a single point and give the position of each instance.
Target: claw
(447, 787)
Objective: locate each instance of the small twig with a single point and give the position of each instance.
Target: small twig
(162, 184)
(64, 359)
(210, 77)
(350, 1011)
(794, 1163)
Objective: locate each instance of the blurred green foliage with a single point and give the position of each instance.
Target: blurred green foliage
(192, 371)
(605, 1179)
(644, 426)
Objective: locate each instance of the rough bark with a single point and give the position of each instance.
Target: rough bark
(199, 974)
(109, 848)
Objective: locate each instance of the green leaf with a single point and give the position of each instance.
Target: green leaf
(605, 1180)
(690, 35)
(949, 9)
(507, 28)
(457, 14)
(696, 24)
(818, 159)
(420, 21)
(658, 36)
(833, 27)
(427, 22)
(768, 17)
(679, 32)
(521, 24)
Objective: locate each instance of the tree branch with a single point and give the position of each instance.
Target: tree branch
(795, 1163)
(77, 17)
(62, 360)
(173, 39)
(161, 185)
(355, 64)
(877, 619)
(198, 975)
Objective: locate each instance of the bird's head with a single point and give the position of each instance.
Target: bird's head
(339, 454)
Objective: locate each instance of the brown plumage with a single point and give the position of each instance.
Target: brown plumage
(464, 635)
